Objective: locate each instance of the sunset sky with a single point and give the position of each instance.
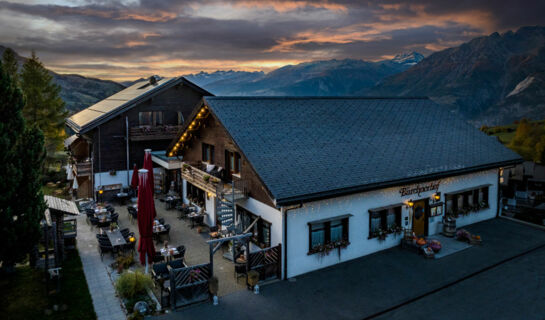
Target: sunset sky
(128, 39)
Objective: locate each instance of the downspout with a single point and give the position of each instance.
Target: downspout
(284, 211)
(498, 196)
(127, 141)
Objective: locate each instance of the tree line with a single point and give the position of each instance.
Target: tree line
(32, 125)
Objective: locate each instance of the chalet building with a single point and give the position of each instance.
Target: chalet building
(111, 135)
(335, 174)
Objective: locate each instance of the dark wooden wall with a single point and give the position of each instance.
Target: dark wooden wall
(109, 138)
(213, 133)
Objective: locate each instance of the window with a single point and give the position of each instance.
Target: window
(384, 221)
(158, 118)
(261, 229)
(207, 153)
(332, 232)
(195, 195)
(180, 118)
(467, 201)
(145, 118)
(150, 118)
(233, 162)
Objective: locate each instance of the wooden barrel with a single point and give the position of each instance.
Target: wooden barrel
(449, 227)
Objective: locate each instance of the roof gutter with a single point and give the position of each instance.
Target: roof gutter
(387, 184)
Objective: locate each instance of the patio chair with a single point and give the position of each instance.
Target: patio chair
(114, 217)
(103, 224)
(129, 247)
(109, 208)
(102, 237)
(181, 252)
(161, 220)
(133, 213)
(104, 248)
(166, 231)
(94, 221)
(158, 257)
(176, 264)
(89, 213)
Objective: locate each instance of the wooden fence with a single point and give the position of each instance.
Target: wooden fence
(267, 262)
(189, 285)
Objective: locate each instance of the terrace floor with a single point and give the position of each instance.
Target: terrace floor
(197, 250)
(501, 279)
(99, 273)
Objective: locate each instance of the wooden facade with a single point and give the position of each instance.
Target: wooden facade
(109, 145)
(104, 148)
(214, 134)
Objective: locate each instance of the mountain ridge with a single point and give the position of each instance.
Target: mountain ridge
(476, 78)
(77, 91)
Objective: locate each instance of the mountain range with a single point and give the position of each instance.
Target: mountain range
(317, 78)
(494, 79)
(78, 92)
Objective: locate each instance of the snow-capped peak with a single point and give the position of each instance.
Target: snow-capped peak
(409, 58)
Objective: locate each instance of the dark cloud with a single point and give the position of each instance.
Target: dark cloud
(170, 36)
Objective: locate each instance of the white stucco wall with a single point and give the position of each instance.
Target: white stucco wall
(268, 214)
(104, 178)
(358, 205)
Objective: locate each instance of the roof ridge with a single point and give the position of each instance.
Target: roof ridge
(315, 98)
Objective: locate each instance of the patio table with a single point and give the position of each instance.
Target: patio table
(194, 217)
(100, 210)
(169, 252)
(116, 238)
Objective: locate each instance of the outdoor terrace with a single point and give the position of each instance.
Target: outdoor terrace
(194, 173)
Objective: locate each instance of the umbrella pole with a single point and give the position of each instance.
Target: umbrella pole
(147, 263)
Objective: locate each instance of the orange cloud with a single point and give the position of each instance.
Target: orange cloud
(285, 6)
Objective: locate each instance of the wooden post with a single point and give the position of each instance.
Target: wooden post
(211, 248)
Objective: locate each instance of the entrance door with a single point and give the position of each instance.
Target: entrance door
(420, 217)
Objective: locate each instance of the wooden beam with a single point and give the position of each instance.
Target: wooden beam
(235, 237)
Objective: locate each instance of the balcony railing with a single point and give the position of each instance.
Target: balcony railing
(193, 173)
(82, 168)
(153, 133)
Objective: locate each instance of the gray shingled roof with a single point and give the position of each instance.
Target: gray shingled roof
(304, 148)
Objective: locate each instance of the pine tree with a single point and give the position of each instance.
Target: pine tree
(10, 64)
(44, 107)
(21, 159)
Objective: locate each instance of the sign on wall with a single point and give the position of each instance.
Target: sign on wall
(418, 189)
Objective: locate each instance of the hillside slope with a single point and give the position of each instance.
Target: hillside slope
(493, 79)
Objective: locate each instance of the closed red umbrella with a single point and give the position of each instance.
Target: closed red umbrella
(134, 180)
(148, 165)
(146, 207)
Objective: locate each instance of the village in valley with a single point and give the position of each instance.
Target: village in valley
(313, 185)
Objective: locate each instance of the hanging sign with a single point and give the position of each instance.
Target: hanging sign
(418, 189)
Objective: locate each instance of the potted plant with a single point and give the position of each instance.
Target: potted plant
(185, 167)
(253, 278)
(213, 286)
(206, 178)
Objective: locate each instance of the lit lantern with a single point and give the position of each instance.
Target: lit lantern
(437, 197)
(410, 203)
(170, 154)
(100, 191)
(132, 239)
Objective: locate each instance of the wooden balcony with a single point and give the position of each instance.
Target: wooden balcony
(192, 173)
(146, 133)
(82, 169)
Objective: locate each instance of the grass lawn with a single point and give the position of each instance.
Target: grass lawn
(24, 297)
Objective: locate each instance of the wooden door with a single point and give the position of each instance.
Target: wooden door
(420, 218)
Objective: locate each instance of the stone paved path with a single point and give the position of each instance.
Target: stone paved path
(107, 305)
